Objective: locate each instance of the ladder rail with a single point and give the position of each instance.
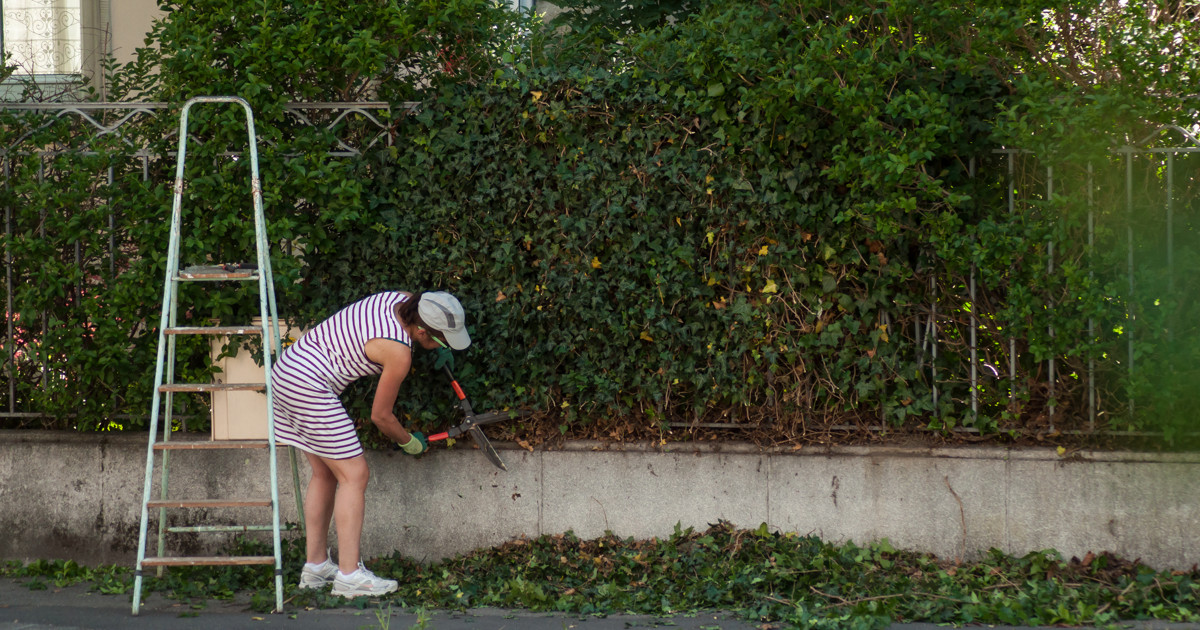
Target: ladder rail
(165, 363)
(169, 376)
(165, 319)
(278, 350)
(271, 343)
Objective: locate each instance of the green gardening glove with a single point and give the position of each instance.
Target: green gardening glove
(445, 358)
(416, 444)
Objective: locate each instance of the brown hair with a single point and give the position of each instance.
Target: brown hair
(406, 311)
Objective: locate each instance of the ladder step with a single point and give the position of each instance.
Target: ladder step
(208, 503)
(213, 387)
(218, 529)
(194, 561)
(214, 330)
(209, 445)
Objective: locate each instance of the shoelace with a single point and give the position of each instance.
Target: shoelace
(366, 573)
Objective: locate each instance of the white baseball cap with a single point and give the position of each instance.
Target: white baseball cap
(443, 312)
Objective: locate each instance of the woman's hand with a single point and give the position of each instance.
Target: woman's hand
(417, 444)
(445, 358)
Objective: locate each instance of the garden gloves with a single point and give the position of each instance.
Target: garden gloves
(416, 444)
(445, 358)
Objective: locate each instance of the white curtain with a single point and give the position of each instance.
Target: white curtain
(43, 36)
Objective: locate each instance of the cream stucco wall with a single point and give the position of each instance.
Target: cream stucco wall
(130, 22)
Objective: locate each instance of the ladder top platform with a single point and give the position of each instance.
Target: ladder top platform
(214, 330)
(231, 271)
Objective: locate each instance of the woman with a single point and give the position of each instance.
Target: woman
(372, 336)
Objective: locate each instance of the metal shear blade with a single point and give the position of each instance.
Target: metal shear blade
(486, 446)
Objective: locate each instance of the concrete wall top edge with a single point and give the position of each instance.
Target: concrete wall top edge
(947, 452)
(711, 448)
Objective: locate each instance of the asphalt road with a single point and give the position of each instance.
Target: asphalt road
(74, 608)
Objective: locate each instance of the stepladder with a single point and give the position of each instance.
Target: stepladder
(161, 446)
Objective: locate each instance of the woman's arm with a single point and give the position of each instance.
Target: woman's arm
(396, 359)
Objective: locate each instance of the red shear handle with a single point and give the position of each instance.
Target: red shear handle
(454, 383)
(438, 436)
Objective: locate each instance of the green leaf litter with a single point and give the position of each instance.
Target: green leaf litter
(759, 575)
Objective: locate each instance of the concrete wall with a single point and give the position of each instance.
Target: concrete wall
(78, 496)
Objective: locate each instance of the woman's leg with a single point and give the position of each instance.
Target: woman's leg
(348, 507)
(318, 508)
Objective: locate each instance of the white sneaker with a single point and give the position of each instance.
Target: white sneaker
(362, 582)
(318, 575)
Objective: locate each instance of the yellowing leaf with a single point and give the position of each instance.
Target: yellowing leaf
(770, 288)
(709, 236)
(536, 96)
(708, 179)
(1061, 450)
(763, 251)
(596, 262)
(645, 336)
(500, 297)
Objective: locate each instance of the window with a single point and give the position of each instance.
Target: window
(42, 37)
(52, 45)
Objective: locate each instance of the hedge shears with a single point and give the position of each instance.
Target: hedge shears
(473, 421)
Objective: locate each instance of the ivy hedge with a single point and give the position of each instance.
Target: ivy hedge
(782, 216)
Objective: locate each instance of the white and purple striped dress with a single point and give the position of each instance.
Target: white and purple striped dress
(312, 372)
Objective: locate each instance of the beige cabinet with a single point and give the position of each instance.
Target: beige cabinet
(242, 415)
